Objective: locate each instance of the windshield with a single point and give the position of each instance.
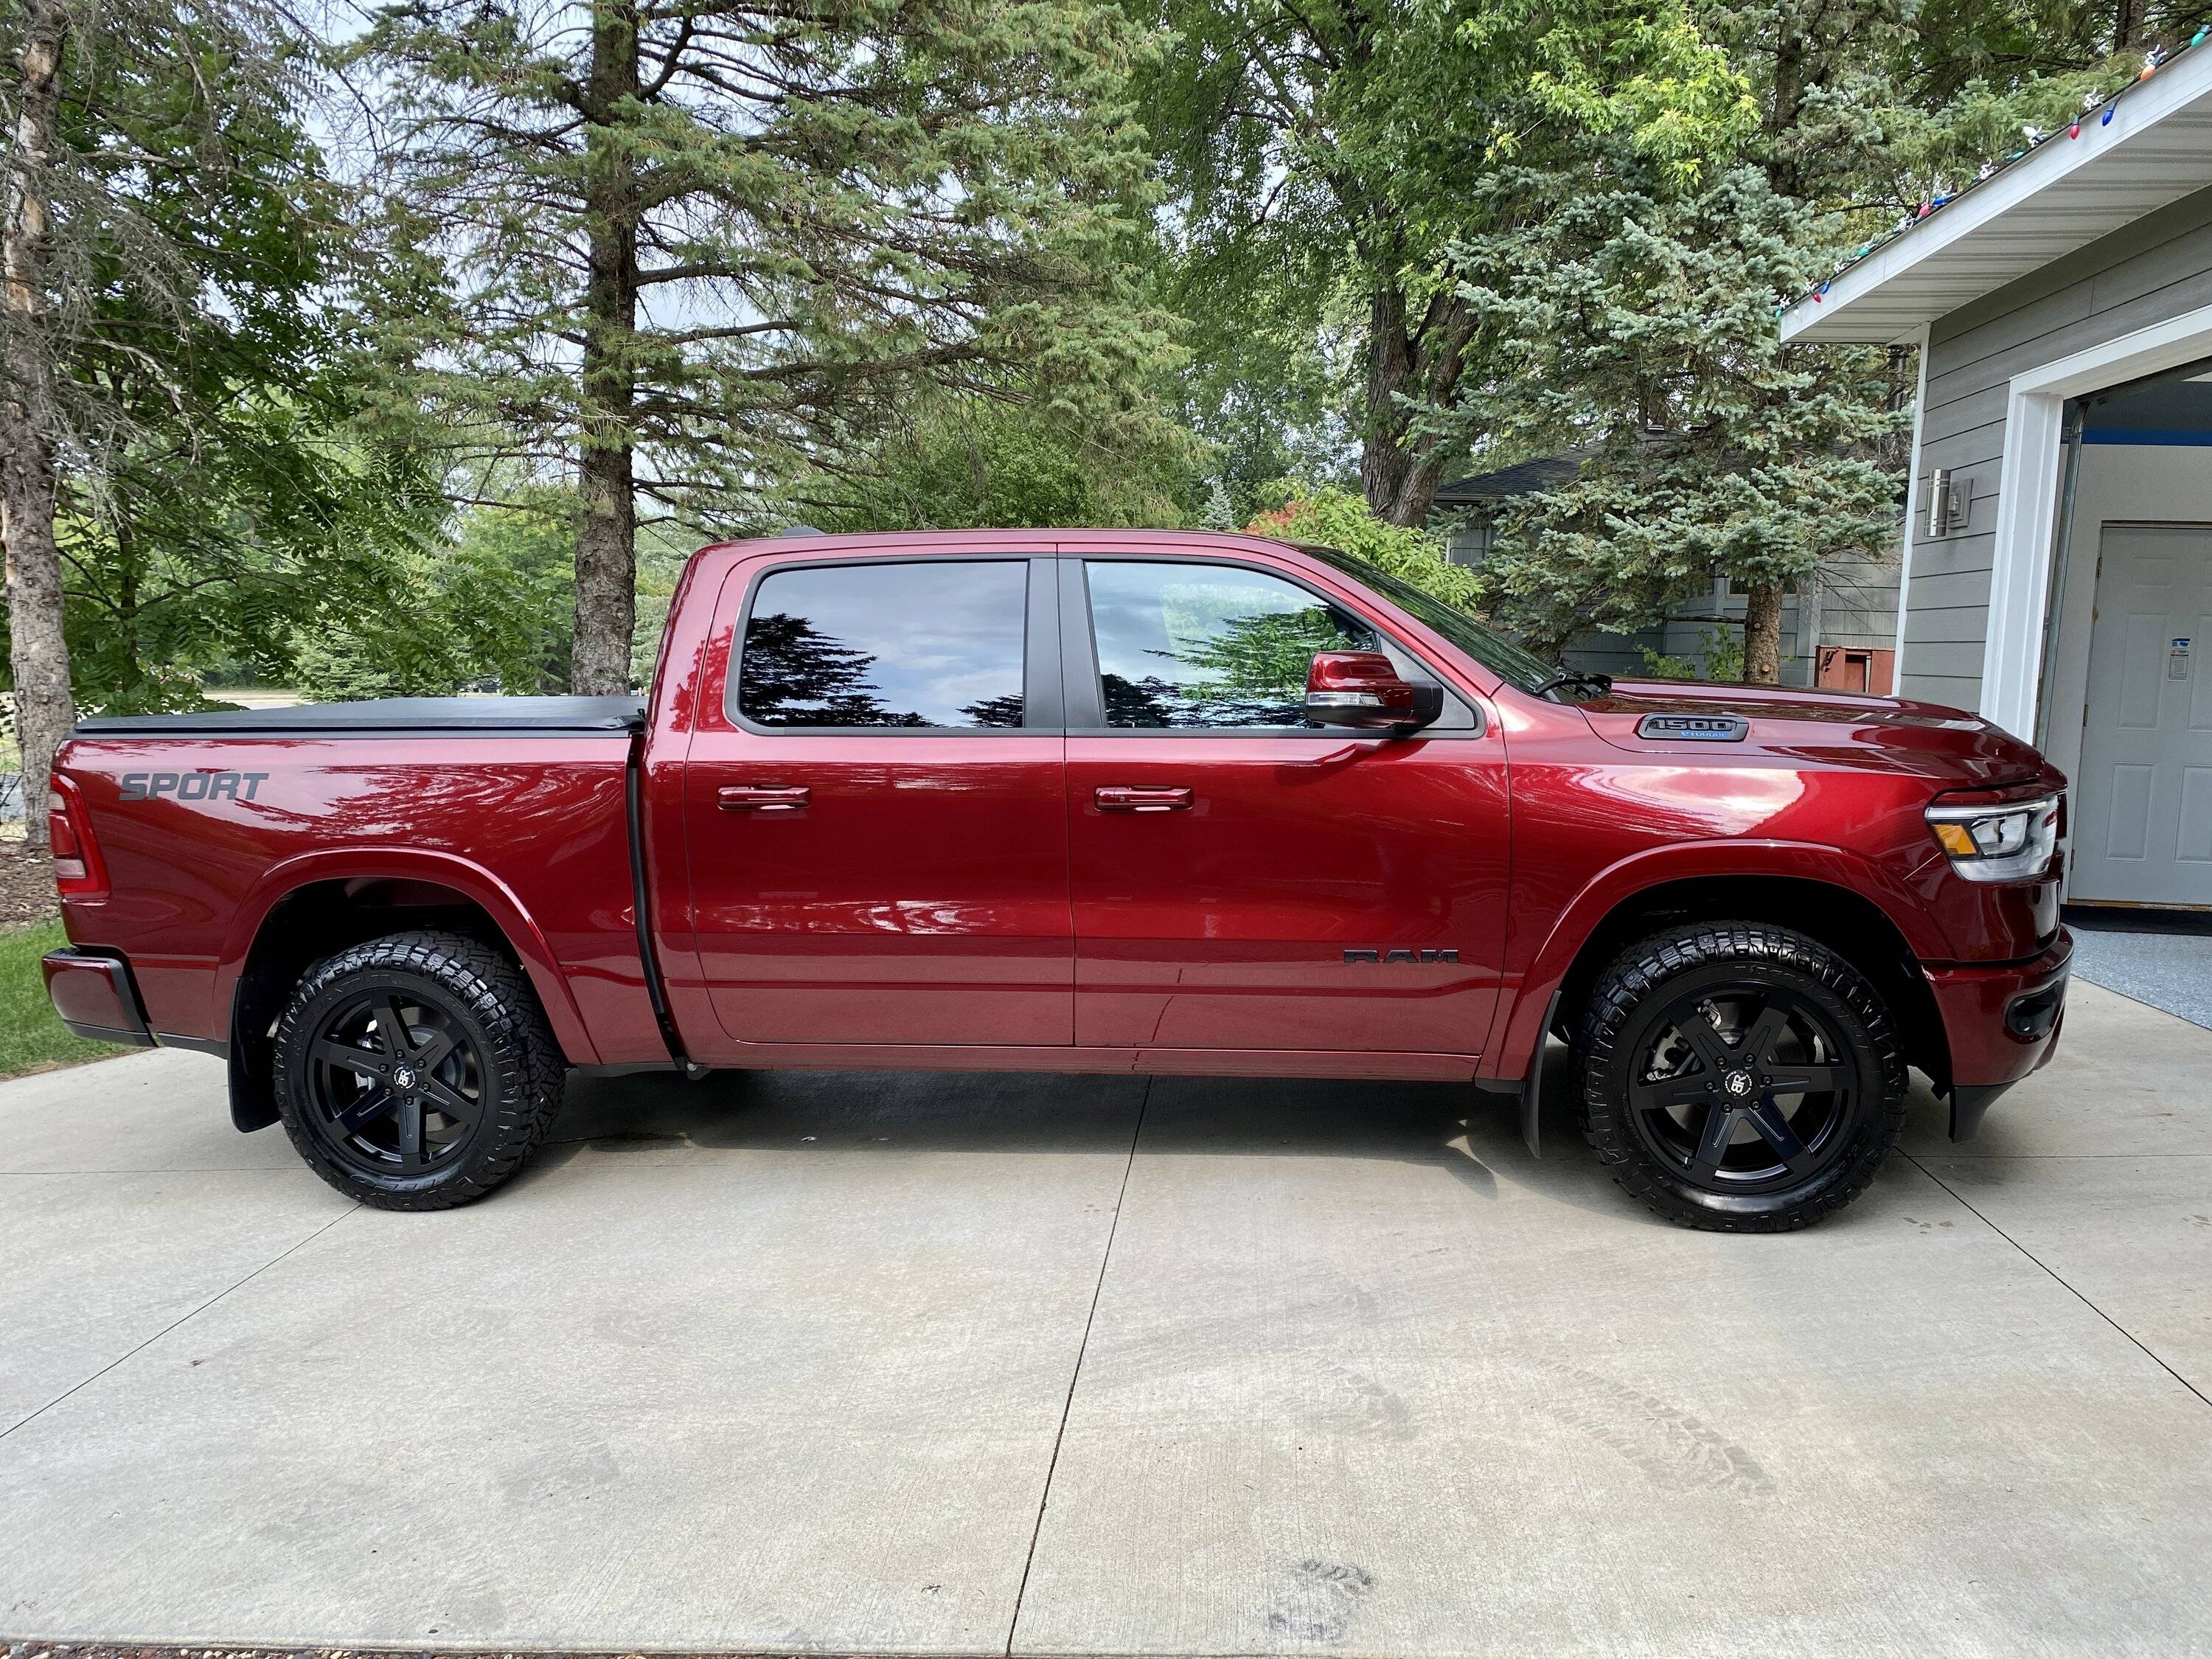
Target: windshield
(1493, 651)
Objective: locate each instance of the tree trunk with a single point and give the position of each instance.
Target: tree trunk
(46, 712)
(1762, 635)
(1384, 464)
(1783, 166)
(1399, 472)
(606, 519)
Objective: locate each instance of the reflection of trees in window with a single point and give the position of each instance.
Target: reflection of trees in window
(1148, 702)
(1252, 672)
(995, 711)
(792, 674)
(1271, 653)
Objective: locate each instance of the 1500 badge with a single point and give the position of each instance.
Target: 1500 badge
(191, 786)
(1447, 955)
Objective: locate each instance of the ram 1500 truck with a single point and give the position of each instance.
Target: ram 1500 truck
(1080, 801)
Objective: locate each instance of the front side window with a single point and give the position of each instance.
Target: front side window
(1500, 655)
(1210, 645)
(896, 646)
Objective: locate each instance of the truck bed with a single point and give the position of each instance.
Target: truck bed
(417, 809)
(385, 717)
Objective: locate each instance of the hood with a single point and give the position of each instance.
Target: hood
(1949, 747)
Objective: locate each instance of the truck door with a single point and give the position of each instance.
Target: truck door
(1241, 880)
(874, 805)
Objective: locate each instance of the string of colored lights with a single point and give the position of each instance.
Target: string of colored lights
(2153, 61)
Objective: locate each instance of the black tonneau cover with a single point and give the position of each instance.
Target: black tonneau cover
(385, 716)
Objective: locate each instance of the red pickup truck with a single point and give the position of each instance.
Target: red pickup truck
(1080, 801)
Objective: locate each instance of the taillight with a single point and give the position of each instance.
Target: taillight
(77, 872)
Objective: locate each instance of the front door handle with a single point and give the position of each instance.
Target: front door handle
(760, 798)
(1126, 798)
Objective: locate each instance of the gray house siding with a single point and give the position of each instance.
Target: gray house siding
(1849, 602)
(2150, 270)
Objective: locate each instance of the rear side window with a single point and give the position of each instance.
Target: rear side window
(1210, 645)
(882, 646)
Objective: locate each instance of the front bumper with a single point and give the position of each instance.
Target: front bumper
(2000, 1024)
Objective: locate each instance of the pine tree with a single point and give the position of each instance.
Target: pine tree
(698, 245)
(1638, 323)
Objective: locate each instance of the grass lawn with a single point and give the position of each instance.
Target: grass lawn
(32, 1036)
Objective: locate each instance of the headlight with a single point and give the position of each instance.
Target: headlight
(1997, 839)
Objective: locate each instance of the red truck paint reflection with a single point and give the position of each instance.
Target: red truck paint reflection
(1054, 896)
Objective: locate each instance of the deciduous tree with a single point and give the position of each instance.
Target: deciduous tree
(185, 475)
(1324, 159)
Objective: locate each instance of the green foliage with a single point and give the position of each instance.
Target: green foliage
(1218, 514)
(32, 1036)
(832, 208)
(220, 481)
(662, 551)
(1325, 161)
(1330, 517)
(1720, 656)
(958, 462)
(492, 607)
(1634, 321)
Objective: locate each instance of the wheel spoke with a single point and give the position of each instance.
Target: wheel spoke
(411, 1132)
(1774, 1128)
(369, 1062)
(450, 1101)
(1713, 1142)
(370, 1106)
(1664, 1093)
(1706, 1042)
(440, 1043)
(391, 1028)
(1804, 1080)
(1766, 1031)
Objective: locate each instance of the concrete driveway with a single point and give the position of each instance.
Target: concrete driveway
(972, 1365)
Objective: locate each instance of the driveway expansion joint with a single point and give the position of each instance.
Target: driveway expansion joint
(1105, 1258)
(2070, 1290)
(180, 1319)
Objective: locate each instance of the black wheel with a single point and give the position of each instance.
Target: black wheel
(1739, 1077)
(416, 1072)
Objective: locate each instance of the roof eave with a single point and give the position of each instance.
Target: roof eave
(1909, 282)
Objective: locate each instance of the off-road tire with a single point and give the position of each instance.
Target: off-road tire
(1658, 972)
(485, 997)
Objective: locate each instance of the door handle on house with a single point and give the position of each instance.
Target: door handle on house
(759, 798)
(1125, 798)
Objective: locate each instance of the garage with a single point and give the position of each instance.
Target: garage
(2057, 551)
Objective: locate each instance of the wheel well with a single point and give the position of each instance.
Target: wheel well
(308, 924)
(1848, 924)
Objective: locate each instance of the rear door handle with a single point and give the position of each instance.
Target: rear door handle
(1126, 798)
(760, 798)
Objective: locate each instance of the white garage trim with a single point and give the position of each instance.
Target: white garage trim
(1912, 499)
(2027, 499)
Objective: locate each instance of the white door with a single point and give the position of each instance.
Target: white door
(2143, 827)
